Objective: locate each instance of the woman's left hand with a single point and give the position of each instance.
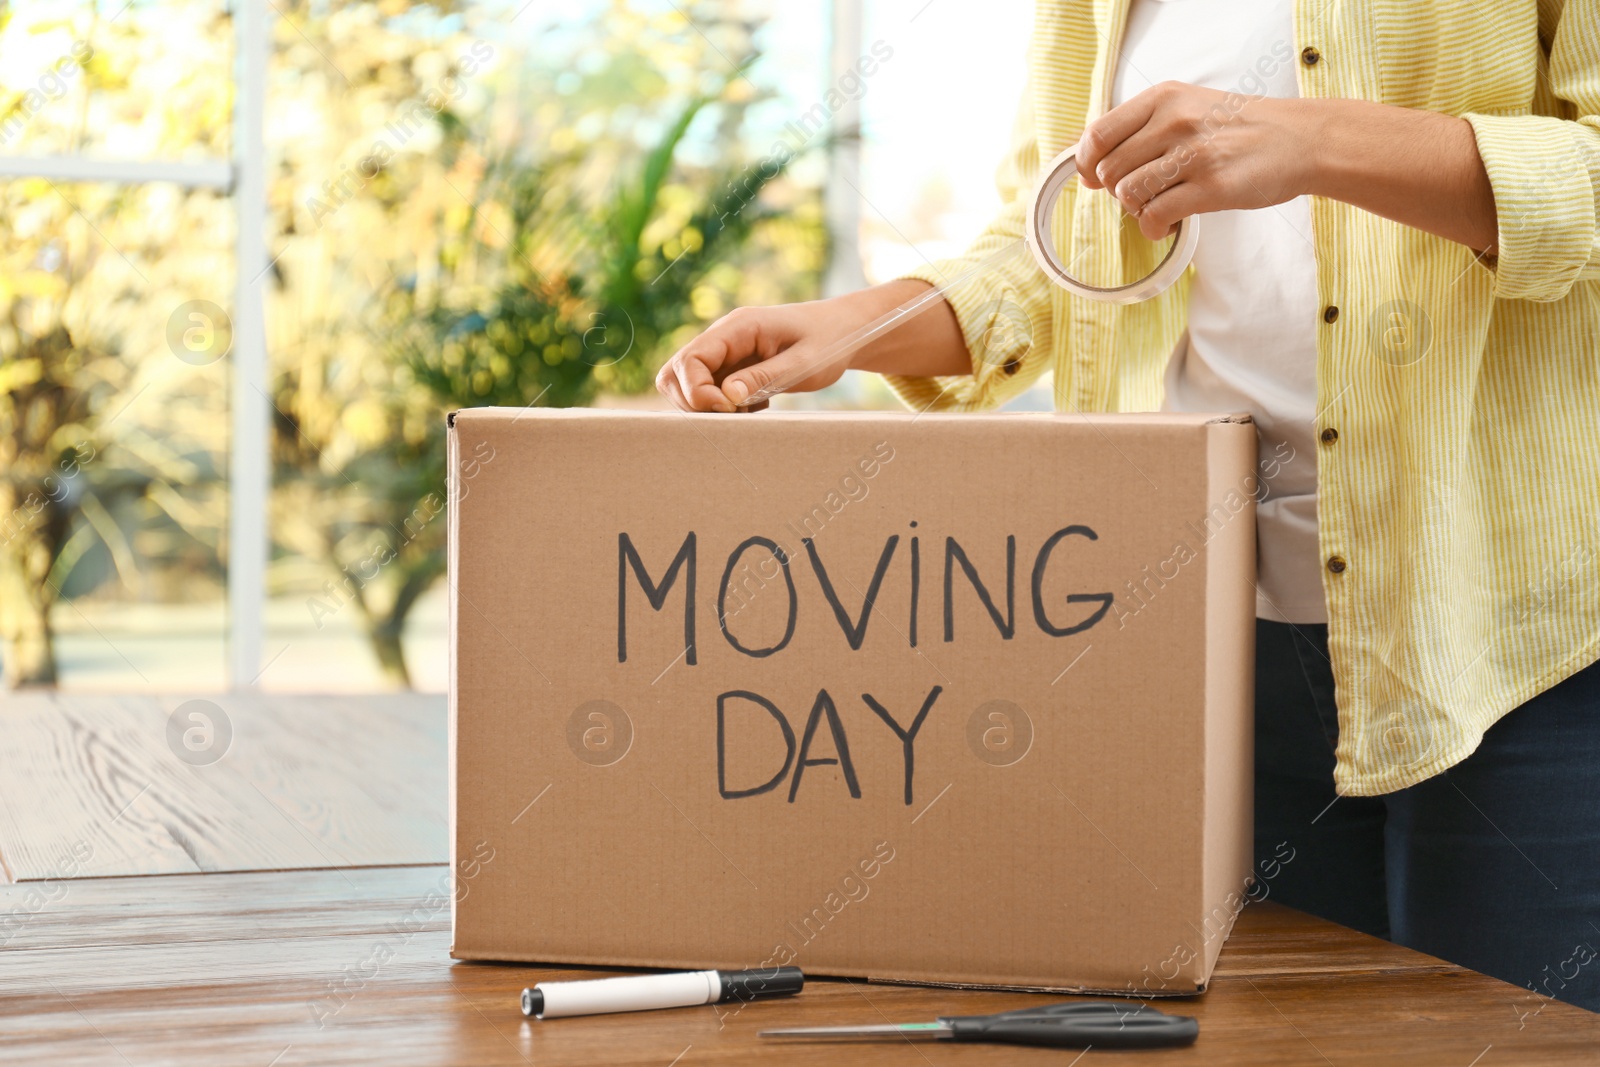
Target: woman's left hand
(1177, 150)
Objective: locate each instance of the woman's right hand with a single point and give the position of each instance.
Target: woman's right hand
(750, 347)
(746, 350)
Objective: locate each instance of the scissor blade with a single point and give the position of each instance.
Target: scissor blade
(908, 1031)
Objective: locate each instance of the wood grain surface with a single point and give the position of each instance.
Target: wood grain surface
(352, 966)
(105, 785)
(350, 963)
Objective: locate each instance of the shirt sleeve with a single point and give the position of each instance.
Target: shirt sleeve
(1005, 311)
(1545, 172)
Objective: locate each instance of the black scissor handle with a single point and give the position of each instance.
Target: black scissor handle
(1079, 1024)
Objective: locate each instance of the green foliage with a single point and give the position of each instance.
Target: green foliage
(601, 319)
(520, 349)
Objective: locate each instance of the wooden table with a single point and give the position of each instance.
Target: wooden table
(350, 964)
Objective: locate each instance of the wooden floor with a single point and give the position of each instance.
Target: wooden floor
(350, 964)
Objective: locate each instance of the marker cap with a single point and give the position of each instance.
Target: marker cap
(762, 983)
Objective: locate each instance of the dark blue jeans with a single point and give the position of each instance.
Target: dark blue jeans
(1493, 865)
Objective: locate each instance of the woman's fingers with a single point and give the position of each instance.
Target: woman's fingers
(1127, 158)
(736, 378)
(697, 384)
(1147, 182)
(746, 380)
(667, 383)
(1108, 131)
(1160, 216)
(694, 378)
(689, 377)
(667, 386)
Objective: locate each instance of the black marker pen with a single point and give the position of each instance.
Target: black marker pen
(644, 992)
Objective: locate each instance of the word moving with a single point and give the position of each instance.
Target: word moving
(853, 626)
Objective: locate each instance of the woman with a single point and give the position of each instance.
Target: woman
(1398, 274)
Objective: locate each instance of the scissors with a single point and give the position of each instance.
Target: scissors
(1072, 1024)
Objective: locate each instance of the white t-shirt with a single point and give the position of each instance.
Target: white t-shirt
(1253, 313)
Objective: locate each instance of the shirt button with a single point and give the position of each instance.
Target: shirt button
(1329, 436)
(1330, 314)
(1309, 56)
(1336, 564)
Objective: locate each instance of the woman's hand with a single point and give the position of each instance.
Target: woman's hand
(1177, 150)
(746, 349)
(750, 347)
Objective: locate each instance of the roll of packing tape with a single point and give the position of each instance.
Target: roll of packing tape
(1061, 170)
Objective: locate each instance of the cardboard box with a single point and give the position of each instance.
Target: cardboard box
(942, 698)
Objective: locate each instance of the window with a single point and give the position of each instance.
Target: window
(253, 249)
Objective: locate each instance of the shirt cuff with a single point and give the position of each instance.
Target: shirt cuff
(1544, 195)
(1000, 332)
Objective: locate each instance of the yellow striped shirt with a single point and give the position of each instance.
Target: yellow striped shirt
(1462, 488)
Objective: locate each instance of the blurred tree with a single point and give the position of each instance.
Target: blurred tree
(377, 520)
(49, 386)
(515, 277)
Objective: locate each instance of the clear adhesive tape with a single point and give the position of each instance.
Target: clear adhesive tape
(1037, 235)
